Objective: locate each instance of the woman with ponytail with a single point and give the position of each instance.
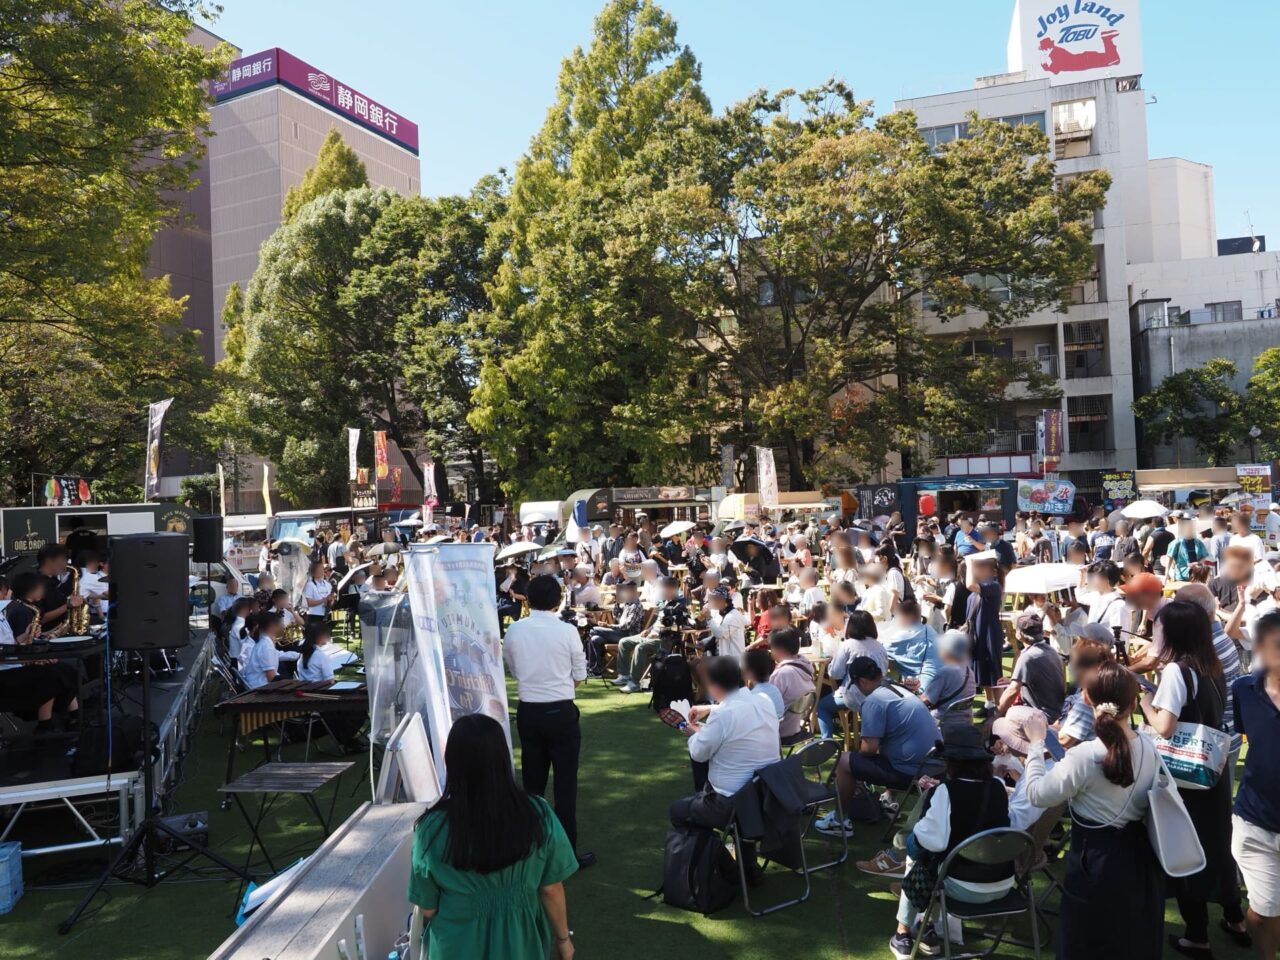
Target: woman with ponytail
(1193, 689)
(1113, 893)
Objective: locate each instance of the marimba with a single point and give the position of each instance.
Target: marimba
(283, 700)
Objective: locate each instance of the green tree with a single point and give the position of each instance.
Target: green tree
(584, 355)
(337, 167)
(1200, 404)
(812, 233)
(200, 492)
(103, 111)
(1262, 403)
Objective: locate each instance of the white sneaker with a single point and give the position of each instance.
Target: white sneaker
(631, 687)
(833, 827)
(620, 681)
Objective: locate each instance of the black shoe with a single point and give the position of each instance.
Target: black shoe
(755, 874)
(586, 860)
(1242, 938)
(1200, 953)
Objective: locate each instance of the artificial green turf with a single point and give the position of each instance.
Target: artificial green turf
(632, 767)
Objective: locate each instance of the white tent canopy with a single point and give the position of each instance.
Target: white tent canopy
(539, 511)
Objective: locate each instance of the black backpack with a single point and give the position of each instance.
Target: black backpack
(669, 679)
(697, 871)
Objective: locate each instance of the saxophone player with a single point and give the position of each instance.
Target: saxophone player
(59, 596)
(38, 687)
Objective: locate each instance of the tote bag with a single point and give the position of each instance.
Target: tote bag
(1195, 754)
(1169, 827)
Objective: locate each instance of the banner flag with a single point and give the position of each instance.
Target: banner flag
(266, 489)
(155, 440)
(430, 496)
(726, 465)
(381, 470)
(222, 490)
(353, 443)
(396, 488)
(455, 629)
(768, 473)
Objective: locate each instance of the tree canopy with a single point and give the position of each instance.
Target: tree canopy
(1197, 404)
(336, 168)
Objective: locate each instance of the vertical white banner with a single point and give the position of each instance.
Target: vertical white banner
(768, 474)
(353, 443)
(266, 489)
(455, 628)
(222, 490)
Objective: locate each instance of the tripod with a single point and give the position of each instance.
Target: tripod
(144, 838)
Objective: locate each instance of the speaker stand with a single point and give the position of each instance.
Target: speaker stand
(144, 838)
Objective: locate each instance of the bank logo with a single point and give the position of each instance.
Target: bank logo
(318, 82)
(1078, 36)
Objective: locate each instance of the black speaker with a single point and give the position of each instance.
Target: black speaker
(148, 596)
(206, 539)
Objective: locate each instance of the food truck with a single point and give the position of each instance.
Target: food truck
(994, 499)
(25, 530)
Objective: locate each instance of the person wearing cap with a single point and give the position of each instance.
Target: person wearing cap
(970, 799)
(583, 591)
(898, 731)
(1037, 679)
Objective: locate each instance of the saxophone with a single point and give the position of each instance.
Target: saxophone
(77, 617)
(33, 632)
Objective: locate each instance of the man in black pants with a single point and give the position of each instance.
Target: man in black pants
(544, 654)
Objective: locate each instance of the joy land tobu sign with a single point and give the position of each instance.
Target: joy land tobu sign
(279, 66)
(1075, 40)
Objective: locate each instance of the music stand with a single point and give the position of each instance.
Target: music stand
(144, 838)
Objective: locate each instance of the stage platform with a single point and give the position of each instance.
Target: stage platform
(50, 808)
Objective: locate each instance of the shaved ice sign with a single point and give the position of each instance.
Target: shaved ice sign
(1046, 496)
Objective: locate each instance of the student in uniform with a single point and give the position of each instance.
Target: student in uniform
(317, 594)
(260, 659)
(314, 662)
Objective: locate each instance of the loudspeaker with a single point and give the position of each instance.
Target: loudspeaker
(206, 539)
(148, 591)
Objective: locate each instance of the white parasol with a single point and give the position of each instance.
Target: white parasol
(677, 527)
(1144, 510)
(351, 573)
(1042, 578)
(518, 549)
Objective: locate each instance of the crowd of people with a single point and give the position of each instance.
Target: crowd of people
(1030, 706)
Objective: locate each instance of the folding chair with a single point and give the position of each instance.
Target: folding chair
(733, 830)
(822, 790)
(1003, 845)
(804, 707)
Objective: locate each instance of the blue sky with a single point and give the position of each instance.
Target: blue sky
(478, 76)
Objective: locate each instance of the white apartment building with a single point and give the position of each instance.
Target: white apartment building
(1075, 71)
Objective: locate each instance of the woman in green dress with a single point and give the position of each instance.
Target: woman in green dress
(489, 860)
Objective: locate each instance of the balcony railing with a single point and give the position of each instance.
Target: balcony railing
(993, 442)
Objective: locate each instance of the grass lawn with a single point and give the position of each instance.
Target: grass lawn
(632, 767)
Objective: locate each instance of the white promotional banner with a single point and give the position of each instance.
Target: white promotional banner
(455, 629)
(768, 474)
(353, 443)
(222, 491)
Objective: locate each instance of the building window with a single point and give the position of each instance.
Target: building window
(1030, 119)
(1073, 123)
(989, 348)
(1128, 84)
(766, 295)
(1086, 350)
(1089, 425)
(1225, 310)
(295, 129)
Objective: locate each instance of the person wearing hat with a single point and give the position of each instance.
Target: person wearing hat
(1037, 679)
(969, 800)
(898, 731)
(1013, 740)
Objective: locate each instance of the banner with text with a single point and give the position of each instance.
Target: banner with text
(1119, 489)
(455, 628)
(353, 447)
(726, 466)
(1255, 483)
(155, 442)
(768, 474)
(59, 491)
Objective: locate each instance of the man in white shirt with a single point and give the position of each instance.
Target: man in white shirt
(544, 654)
(220, 605)
(738, 737)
